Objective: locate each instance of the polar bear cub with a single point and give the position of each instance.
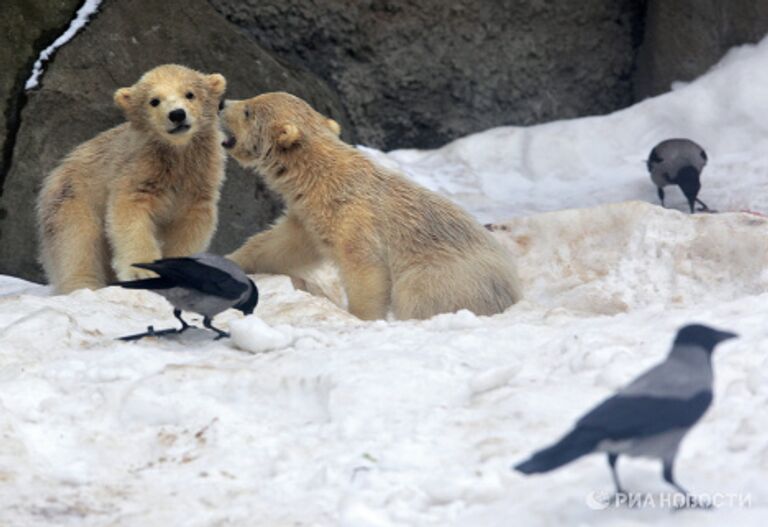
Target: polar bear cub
(146, 189)
(397, 245)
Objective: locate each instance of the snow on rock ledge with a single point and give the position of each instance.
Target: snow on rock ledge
(618, 257)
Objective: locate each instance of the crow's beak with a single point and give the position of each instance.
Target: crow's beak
(726, 335)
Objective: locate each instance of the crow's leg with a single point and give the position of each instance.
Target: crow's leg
(661, 195)
(612, 459)
(670, 478)
(151, 332)
(220, 334)
(704, 207)
(184, 325)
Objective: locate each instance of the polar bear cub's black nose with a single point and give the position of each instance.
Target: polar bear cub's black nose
(177, 116)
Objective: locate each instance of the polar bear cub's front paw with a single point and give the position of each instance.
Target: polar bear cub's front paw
(126, 272)
(138, 274)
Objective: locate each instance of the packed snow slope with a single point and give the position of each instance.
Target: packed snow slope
(309, 417)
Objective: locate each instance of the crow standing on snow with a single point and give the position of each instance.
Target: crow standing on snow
(678, 162)
(204, 283)
(650, 416)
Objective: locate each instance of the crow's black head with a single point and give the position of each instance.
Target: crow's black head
(702, 336)
(249, 304)
(689, 181)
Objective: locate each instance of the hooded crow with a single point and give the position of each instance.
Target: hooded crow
(203, 283)
(678, 162)
(647, 418)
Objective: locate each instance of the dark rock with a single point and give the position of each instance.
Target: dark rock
(684, 38)
(124, 40)
(418, 74)
(26, 28)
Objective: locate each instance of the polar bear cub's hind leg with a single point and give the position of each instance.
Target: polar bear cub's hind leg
(486, 285)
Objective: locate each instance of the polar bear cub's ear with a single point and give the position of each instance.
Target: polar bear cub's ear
(334, 126)
(123, 98)
(288, 135)
(216, 83)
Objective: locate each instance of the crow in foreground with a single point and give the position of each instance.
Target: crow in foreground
(678, 162)
(204, 283)
(647, 418)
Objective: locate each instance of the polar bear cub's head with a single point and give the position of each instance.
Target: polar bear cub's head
(173, 102)
(259, 128)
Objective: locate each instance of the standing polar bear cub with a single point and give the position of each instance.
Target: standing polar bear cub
(397, 245)
(143, 190)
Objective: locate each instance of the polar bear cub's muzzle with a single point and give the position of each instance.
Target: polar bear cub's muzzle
(179, 121)
(173, 115)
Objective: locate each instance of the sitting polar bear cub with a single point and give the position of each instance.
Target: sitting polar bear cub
(395, 243)
(143, 190)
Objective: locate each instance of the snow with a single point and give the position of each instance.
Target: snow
(308, 416)
(86, 11)
(254, 335)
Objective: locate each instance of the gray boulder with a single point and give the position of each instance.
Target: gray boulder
(418, 74)
(26, 27)
(684, 38)
(125, 39)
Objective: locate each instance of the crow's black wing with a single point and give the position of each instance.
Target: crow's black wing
(193, 274)
(627, 416)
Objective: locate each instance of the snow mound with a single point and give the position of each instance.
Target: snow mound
(607, 260)
(411, 423)
(620, 257)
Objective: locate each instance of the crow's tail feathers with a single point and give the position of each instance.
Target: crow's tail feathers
(146, 283)
(577, 443)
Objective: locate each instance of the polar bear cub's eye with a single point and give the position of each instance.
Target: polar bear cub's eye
(154, 102)
(247, 113)
(190, 95)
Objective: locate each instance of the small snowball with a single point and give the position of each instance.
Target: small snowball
(254, 335)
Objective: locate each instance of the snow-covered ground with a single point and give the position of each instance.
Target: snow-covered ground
(329, 421)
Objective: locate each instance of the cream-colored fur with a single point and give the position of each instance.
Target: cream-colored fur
(143, 190)
(397, 245)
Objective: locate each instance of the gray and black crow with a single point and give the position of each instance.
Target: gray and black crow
(203, 283)
(647, 418)
(678, 162)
